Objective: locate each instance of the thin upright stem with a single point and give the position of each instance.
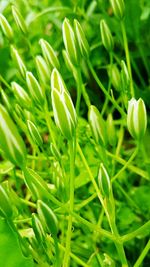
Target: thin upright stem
(142, 255)
(126, 48)
(66, 261)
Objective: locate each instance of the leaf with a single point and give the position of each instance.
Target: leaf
(10, 251)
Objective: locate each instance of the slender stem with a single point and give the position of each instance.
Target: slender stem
(104, 90)
(126, 48)
(142, 255)
(49, 124)
(126, 165)
(66, 261)
(79, 90)
(137, 232)
(109, 84)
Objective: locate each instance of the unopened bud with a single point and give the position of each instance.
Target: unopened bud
(42, 69)
(97, 125)
(49, 54)
(106, 36)
(38, 228)
(70, 42)
(81, 39)
(5, 203)
(136, 118)
(104, 181)
(21, 95)
(118, 7)
(6, 28)
(57, 81)
(19, 20)
(18, 60)
(111, 132)
(35, 133)
(35, 89)
(11, 142)
(47, 217)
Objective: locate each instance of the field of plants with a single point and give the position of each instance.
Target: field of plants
(74, 133)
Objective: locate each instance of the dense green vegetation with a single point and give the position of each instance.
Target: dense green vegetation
(74, 133)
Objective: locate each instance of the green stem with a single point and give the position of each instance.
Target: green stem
(109, 84)
(126, 48)
(79, 90)
(142, 255)
(49, 124)
(104, 90)
(137, 232)
(126, 165)
(66, 261)
(118, 244)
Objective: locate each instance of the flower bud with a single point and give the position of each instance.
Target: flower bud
(115, 77)
(118, 7)
(35, 89)
(106, 36)
(6, 28)
(19, 20)
(111, 133)
(70, 42)
(47, 217)
(34, 133)
(55, 152)
(81, 39)
(67, 61)
(42, 69)
(136, 118)
(104, 181)
(49, 54)
(38, 228)
(57, 81)
(6, 100)
(64, 113)
(97, 125)
(16, 57)
(5, 203)
(11, 142)
(125, 81)
(21, 95)
(35, 183)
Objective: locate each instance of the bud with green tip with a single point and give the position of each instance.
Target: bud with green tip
(136, 118)
(97, 125)
(35, 89)
(47, 217)
(16, 57)
(6, 100)
(81, 39)
(11, 142)
(35, 133)
(111, 132)
(118, 7)
(38, 228)
(57, 81)
(36, 184)
(21, 95)
(114, 73)
(64, 112)
(106, 36)
(125, 81)
(42, 69)
(104, 181)
(55, 152)
(6, 28)
(5, 203)
(49, 54)
(67, 61)
(70, 42)
(19, 20)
